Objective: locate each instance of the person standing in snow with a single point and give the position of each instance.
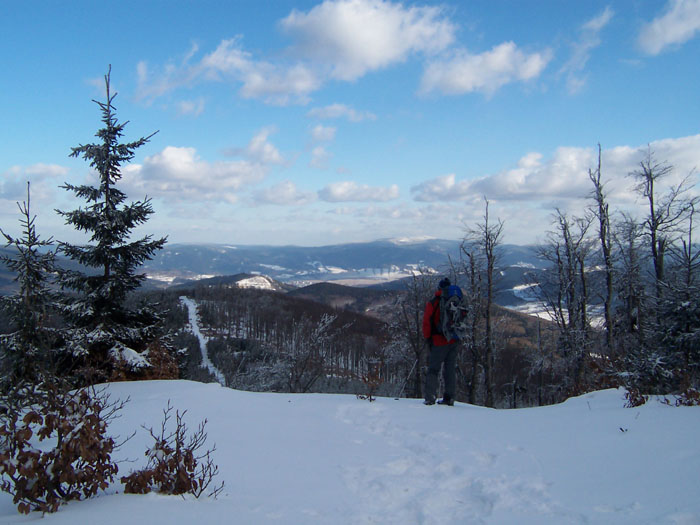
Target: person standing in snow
(441, 351)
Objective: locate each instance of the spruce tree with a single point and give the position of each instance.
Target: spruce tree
(108, 335)
(25, 352)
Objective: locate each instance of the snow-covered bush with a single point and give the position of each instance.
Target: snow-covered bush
(176, 464)
(58, 449)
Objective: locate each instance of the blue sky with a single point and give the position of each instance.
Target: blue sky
(315, 123)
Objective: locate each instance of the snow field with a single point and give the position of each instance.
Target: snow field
(334, 459)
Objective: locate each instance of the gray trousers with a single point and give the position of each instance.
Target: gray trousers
(441, 355)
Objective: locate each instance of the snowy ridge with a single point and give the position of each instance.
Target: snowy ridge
(194, 327)
(318, 459)
(411, 240)
(526, 292)
(260, 282)
(380, 260)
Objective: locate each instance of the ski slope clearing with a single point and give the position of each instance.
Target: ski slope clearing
(195, 329)
(335, 459)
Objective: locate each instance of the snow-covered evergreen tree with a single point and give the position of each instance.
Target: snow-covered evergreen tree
(680, 310)
(106, 333)
(25, 351)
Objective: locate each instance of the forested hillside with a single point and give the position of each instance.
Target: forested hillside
(274, 341)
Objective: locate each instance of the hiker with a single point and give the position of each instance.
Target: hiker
(441, 351)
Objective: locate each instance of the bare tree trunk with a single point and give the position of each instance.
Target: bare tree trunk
(603, 215)
(473, 271)
(487, 238)
(666, 212)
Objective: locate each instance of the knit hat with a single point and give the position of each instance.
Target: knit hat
(444, 283)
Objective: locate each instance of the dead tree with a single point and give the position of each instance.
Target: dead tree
(602, 213)
(666, 212)
(487, 237)
(566, 294)
(473, 271)
(407, 328)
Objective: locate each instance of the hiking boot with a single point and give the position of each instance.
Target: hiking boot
(429, 402)
(446, 401)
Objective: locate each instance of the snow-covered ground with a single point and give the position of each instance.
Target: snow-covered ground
(335, 459)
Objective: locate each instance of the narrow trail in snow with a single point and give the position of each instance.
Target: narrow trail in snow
(194, 326)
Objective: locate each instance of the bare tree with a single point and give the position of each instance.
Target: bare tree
(306, 351)
(473, 270)
(566, 297)
(630, 287)
(602, 213)
(407, 332)
(686, 256)
(487, 236)
(666, 212)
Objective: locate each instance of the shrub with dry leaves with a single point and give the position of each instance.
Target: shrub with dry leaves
(57, 450)
(176, 463)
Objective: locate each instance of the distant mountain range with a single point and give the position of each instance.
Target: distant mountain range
(324, 273)
(380, 266)
(356, 263)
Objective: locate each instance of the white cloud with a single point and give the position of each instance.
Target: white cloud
(173, 75)
(526, 195)
(441, 220)
(284, 193)
(442, 188)
(259, 149)
(354, 37)
(279, 84)
(465, 72)
(345, 40)
(45, 196)
(319, 154)
(179, 174)
(564, 176)
(679, 23)
(322, 133)
(191, 107)
(682, 154)
(400, 212)
(43, 179)
(276, 84)
(334, 111)
(40, 171)
(98, 84)
(349, 191)
(589, 39)
(319, 158)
